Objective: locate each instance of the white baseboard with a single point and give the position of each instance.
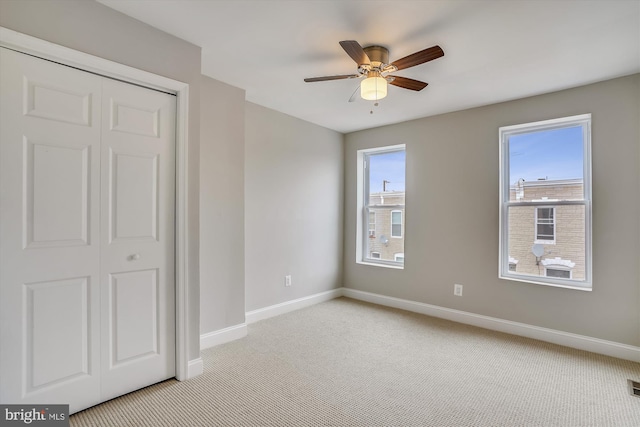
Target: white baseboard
(296, 304)
(580, 342)
(222, 336)
(196, 367)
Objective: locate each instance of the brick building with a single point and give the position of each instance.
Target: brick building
(557, 229)
(385, 227)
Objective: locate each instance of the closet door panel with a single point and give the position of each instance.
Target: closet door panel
(137, 259)
(49, 232)
(86, 234)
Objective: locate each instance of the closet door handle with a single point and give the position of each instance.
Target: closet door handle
(133, 257)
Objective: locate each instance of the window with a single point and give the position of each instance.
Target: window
(381, 199)
(554, 272)
(396, 223)
(558, 267)
(545, 225)
(545, 200)
(372, 225)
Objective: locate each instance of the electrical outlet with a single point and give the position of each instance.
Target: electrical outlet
(457, 290)
(287, 280)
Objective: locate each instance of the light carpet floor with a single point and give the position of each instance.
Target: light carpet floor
(349, 363)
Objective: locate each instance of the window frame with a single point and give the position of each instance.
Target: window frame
(504, 132)
(362, 208)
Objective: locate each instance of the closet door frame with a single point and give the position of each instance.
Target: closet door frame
(185, 368)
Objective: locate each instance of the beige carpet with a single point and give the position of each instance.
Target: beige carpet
(348, 363)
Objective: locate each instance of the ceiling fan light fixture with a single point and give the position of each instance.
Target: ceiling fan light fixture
(373, 88)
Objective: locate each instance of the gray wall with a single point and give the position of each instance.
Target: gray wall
(92, 28)
(221, 206)
(452, 214)
(293, 207)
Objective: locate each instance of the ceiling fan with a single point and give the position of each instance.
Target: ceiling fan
(373, 64)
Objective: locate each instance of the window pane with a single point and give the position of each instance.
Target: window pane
(545, 232)
(396, 224)
(568, 243)
(384, 205)
(546, 164)
(545, 215)
(386, 178)
(386, 238)
(565, 274)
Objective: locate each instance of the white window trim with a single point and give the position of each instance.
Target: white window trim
(362, 224)
(504, 133)
(401, 223)
(535, 225)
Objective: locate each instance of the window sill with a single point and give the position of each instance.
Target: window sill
(545, 242)
(556, 284)
(375, 264)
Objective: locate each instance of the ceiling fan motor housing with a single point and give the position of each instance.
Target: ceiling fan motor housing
(378, 55)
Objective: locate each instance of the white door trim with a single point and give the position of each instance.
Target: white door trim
(63, 55)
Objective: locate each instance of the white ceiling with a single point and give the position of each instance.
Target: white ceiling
(495, 50)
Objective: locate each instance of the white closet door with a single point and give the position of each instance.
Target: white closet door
(49, 232)
(137, 265)
(86, 235)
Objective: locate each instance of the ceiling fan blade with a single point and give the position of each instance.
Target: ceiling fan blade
(418, 58)
(355, 51)
(325, 78)
(407, 83)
